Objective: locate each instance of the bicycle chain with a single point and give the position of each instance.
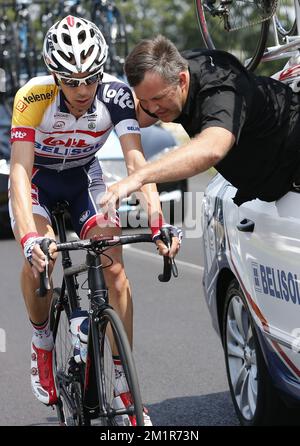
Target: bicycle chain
(273, 7)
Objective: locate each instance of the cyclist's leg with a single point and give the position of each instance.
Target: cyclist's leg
(37, 308)
(88, 221)
(42, 379)
(116, 280)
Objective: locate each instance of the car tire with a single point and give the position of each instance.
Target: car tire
(255, 399)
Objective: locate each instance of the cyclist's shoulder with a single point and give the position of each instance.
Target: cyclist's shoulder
(115, 94)
(110, 86)
(33, 98)
(38, 89)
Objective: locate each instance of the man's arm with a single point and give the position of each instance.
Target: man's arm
(22, 157)
(198, 155)
(149, 198)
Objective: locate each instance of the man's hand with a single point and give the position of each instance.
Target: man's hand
(176, 234)
(110, 201)
(33, 253)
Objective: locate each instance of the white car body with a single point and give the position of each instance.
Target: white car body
(257, 245)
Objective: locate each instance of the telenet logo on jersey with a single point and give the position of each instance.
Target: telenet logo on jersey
(27, 100)
(21, 106)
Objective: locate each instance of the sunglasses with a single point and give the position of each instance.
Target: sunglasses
(74, 82)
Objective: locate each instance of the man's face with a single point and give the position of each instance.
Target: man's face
(80, 97)
(157, 96)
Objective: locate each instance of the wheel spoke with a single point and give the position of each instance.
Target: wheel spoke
(252, 394)
(234, 334)
(235, 350)
(238, 310)
(239, 381)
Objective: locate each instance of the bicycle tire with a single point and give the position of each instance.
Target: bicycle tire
(65, 366)
(105, 370)
(215, 36)
(285, 21)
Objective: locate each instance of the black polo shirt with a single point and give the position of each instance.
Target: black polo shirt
(262, 113)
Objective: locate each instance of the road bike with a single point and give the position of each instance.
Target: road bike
(237, 26)
(88, 390)
(246, 27)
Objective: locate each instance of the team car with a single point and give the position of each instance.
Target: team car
(252, 288)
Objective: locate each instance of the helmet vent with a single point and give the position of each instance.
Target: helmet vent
(67, 58)
(81, 36)
(66, 39)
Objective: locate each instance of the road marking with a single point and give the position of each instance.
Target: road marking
(157, 257)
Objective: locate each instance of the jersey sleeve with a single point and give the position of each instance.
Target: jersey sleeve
(119, 101)
(29, 107)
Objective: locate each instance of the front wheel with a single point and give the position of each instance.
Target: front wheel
(113, 411)
(68, 374)
(254, 397)
(233, 26)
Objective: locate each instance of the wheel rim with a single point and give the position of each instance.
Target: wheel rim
(241, 357)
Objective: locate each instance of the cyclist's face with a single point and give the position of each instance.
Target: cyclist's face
(165, 100)
(80, 98)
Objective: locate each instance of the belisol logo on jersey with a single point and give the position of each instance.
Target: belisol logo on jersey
(120, 97)
(78, 147)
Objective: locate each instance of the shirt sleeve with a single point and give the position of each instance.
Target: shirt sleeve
(225, 94)
(119, 101)
(224, 108)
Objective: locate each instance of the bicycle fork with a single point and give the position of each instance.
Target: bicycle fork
(93, 398)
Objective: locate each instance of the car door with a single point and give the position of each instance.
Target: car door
(264, 251)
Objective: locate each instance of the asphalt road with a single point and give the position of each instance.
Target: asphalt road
(178, 355)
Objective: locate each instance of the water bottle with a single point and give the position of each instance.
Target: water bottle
(83, 339)
(77, 318)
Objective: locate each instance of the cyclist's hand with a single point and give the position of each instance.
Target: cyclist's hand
(176, 234)
(35, 255)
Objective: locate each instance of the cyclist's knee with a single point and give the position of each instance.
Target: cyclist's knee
(115, 278)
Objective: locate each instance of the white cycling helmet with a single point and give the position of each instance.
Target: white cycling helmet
(74, 45)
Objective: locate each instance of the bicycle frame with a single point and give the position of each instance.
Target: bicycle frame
(292, 43)
(98, 297)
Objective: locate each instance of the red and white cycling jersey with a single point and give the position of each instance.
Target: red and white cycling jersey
(61, 141)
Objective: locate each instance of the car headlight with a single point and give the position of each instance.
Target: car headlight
(4, 167)
(113, 170)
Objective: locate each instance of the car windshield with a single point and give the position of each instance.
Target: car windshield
(4, 134)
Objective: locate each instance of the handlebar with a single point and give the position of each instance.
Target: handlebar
(99, 245)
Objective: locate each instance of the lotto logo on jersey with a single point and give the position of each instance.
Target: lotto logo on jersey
(22, 134)
(21, 106)
(120, 97)
(71, 142)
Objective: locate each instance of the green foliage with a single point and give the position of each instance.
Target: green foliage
(175, 19)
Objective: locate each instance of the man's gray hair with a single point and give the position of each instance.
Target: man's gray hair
(158, 55)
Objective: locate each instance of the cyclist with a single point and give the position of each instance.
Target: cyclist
(59, 123)
(246, 126)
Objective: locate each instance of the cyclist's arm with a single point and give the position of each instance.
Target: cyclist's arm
(149, 198)
(22, 157)
(134, 158)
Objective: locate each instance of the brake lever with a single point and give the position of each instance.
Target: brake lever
(170, 266)
(44, 276)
